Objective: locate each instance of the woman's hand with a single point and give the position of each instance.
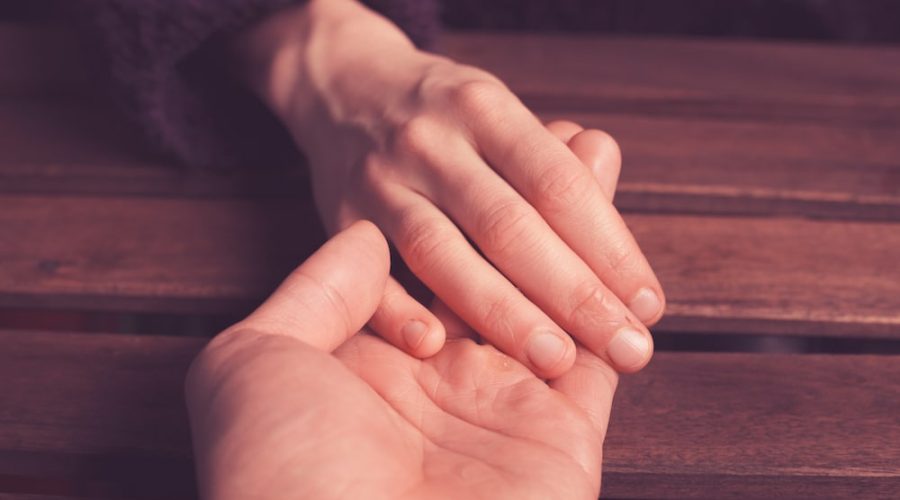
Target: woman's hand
(275, 414)
(495, 214)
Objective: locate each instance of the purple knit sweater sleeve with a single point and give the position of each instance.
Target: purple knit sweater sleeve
(185, 106)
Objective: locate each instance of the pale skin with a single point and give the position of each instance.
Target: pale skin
(438, 154)
(292, 402)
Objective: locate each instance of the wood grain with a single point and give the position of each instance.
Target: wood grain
(42, 152)
(764, 275)
(150, 254)
(722, 274)
(725, 127)
(102, 416)
(90, 219)
(755, 426)
(683, 165)
(671, 165)
(766, 80)
(95, 416)
(720, 127)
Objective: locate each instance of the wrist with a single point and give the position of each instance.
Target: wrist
(327, 63)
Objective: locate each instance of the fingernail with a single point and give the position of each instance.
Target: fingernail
(414, 333)
(645, 305)
(629, 348)
(545, 350)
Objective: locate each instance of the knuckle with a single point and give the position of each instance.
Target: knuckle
(478, 95)
(620, 259)
(336, 301)
(503, 226)
(422, 241)
(560, 188)
(591, 303)
(416, 138)
(497, 317)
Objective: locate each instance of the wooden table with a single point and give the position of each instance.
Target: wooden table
(761, 179)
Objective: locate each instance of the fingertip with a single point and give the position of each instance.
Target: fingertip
(368, 233)
(648, 305)
(369, 226)
(659, 315)
(550, 354)
(332, 294)
(630, 350)
(600, 152)
(407, 324)
(424, 338)
(597, 142)
(564, 130)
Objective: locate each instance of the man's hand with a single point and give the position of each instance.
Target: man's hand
(276, 414)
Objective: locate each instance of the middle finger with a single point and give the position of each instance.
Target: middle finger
(520, 243)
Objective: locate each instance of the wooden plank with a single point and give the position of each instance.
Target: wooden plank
(715, 126)
(680, 74)
(688, 147)
(721, 274)
(79, 145)
(103, 414)
(684, 165)
(671, 164)
(756, 426)
(95, 416)
(701, 77)
(781, 276)
(149, 254)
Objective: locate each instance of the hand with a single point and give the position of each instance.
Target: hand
(275, 415)
(437, 154)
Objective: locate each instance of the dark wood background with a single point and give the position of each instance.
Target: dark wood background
(761, 178)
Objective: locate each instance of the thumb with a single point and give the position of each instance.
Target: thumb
(332, 295)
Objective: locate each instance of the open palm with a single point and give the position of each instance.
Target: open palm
(473, 423)
(292, 403)
(374, 422)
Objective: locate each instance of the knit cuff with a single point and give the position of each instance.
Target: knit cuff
(184, 108)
